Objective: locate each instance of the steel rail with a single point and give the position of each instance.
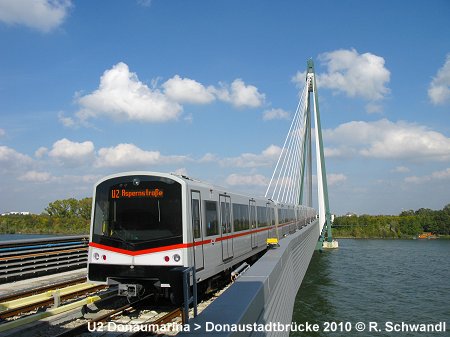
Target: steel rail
(46, 300)
(57, 252)
(45, 269)
(49, 313)
(44, 265)
(40, 290)
(167, 318)
(23, 259)
(102, 318)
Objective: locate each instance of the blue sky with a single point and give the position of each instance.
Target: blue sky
(206, 88)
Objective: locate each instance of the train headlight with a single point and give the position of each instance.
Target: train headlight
(96, 256)
(176, 257)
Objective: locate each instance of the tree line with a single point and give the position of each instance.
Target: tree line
(72, 216)
(407, 224)
(68, 216)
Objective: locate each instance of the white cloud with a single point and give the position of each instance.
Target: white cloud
(181, 171)
(387, 140)
(266, 158)
(439, 90)
(400, 169)
(41, 152)
(66, 121)
(43, 15)
(35, 176)
(335, 178)
(71, 153)
(247, 180)
(357, 75)
(129, 155)
(144, 3)
(342, 151)
(435, 176)
(275, 114)
(209, 157)
(241, 95)
(122, 96)
(10, 159)
(354, 74)
(185, 90)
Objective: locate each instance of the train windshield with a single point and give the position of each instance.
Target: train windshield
(138, 212)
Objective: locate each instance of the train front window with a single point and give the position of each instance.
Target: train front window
(138, 212)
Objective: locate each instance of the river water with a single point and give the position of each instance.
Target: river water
(381, 283)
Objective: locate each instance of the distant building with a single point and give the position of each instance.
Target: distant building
(349, 214)
(15, 213)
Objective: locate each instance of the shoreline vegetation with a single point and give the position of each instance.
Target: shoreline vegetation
(407, 225)
(68, 216)
(71, 216)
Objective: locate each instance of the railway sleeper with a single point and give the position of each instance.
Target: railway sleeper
(35, 260)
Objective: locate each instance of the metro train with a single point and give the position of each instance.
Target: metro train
(147, 226)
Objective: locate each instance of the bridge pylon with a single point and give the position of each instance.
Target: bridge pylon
(291, 181)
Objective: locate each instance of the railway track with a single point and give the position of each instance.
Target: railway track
(39, 290)
(92, 315)
(104, 316)
(130, 318)
(24, 259)
(20, 306)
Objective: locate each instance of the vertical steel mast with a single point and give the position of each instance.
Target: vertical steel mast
(291, 180)
(322, 186)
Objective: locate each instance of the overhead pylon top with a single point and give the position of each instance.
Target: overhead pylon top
(310, 66)
(310, 74)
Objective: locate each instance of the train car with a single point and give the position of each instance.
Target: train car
(147, 226)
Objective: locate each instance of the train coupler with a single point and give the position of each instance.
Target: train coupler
(129, 290)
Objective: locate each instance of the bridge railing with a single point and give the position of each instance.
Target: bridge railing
(264, 294)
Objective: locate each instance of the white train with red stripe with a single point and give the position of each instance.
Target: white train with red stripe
(146, 225)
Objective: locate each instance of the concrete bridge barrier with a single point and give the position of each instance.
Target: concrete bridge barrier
(261, 301)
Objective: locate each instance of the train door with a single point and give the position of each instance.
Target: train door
(225, 220)
(197, 230)
(252, 210)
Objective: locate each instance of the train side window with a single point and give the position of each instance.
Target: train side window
(241, 217)
(272, 211)
(262, 216)
(196, 218)
(280, 215)
(212, 225)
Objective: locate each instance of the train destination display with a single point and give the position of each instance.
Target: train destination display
(147, 193)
